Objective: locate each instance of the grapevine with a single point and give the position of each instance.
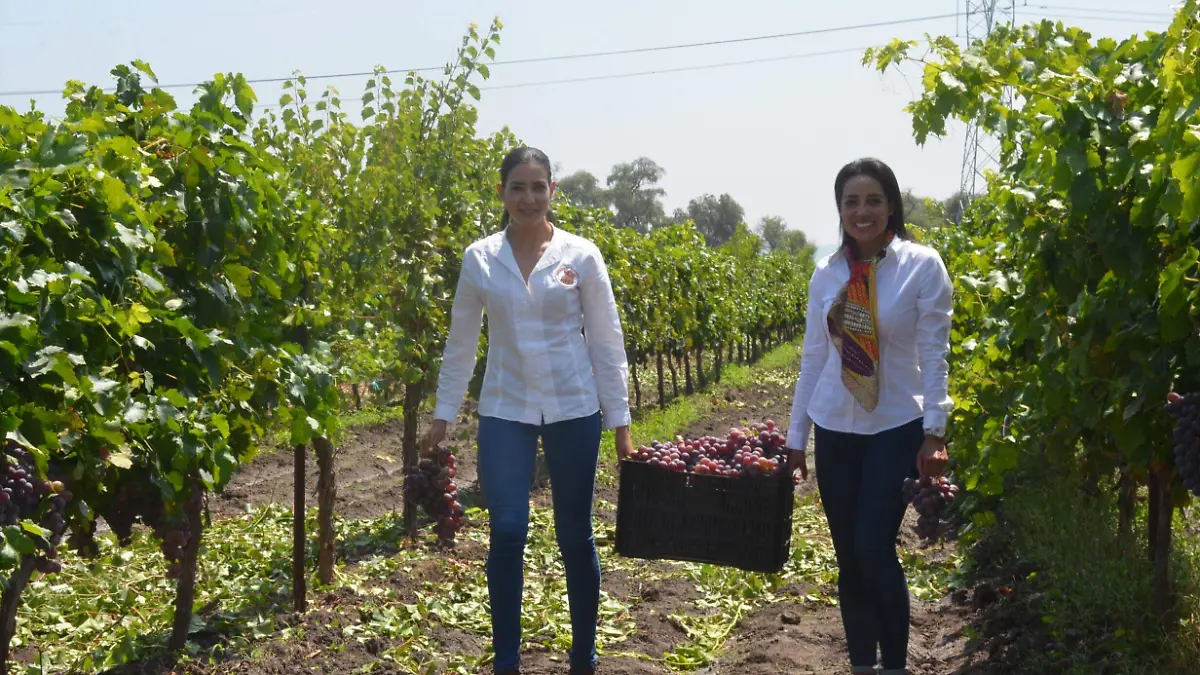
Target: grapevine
(1077, 266)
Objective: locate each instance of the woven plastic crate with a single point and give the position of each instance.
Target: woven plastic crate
(735, 522)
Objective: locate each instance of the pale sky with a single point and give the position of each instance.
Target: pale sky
(772, 134)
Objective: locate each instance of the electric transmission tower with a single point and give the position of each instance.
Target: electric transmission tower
(980, 16)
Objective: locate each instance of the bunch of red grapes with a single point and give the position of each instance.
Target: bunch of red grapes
(931, 497)
(21, 492)
(1184, 409)
(430, 485)
(757, 450)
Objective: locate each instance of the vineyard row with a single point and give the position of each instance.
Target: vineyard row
(1077, 289)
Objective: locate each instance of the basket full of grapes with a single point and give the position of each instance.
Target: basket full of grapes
(719, 500)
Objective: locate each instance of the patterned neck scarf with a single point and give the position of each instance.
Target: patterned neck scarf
(852, 327)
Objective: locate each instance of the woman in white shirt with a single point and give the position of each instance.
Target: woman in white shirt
(873, 382)
(556, 368)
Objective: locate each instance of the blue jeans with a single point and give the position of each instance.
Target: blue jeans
(507, 451)
(860, 479)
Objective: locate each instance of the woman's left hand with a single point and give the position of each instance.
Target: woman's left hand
(932, 458)
(624, 444)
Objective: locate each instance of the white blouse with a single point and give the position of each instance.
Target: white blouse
(540, 367)
(914, 306)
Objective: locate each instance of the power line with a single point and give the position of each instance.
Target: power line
(1098, 10)
(642, 73)
(546, 59)
(1085, 17)
(182, 85)
(816, 31)
(681, 69)
(235, 15)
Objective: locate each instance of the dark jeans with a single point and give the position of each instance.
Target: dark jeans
(507, 451)
(860, 479)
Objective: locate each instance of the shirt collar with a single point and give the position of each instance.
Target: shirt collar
(551, 255)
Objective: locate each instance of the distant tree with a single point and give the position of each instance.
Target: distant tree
(634, 193)
(778, 237)
(717, 218)
(956, 204)
(743, 243)
(923, 212)
(796, 241)
(584, 189)
(773, 230)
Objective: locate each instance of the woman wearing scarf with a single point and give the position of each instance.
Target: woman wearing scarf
(873, 385)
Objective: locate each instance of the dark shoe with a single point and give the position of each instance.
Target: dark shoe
(583, 671)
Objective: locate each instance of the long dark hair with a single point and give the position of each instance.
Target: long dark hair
(874, 168)
(516, 157)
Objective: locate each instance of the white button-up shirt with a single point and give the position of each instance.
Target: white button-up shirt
(540, 367)
(914, 304)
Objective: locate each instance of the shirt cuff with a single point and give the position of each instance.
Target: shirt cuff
(618, 417)
(936, 420)
(447, 412)
(797, 434)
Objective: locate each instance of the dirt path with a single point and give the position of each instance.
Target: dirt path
(792, 635)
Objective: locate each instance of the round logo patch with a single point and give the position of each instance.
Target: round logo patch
(566, 276)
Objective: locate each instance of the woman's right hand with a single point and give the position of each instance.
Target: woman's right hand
(435, 435)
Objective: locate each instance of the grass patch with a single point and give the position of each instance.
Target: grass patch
(371, 417)
(1184, 644)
